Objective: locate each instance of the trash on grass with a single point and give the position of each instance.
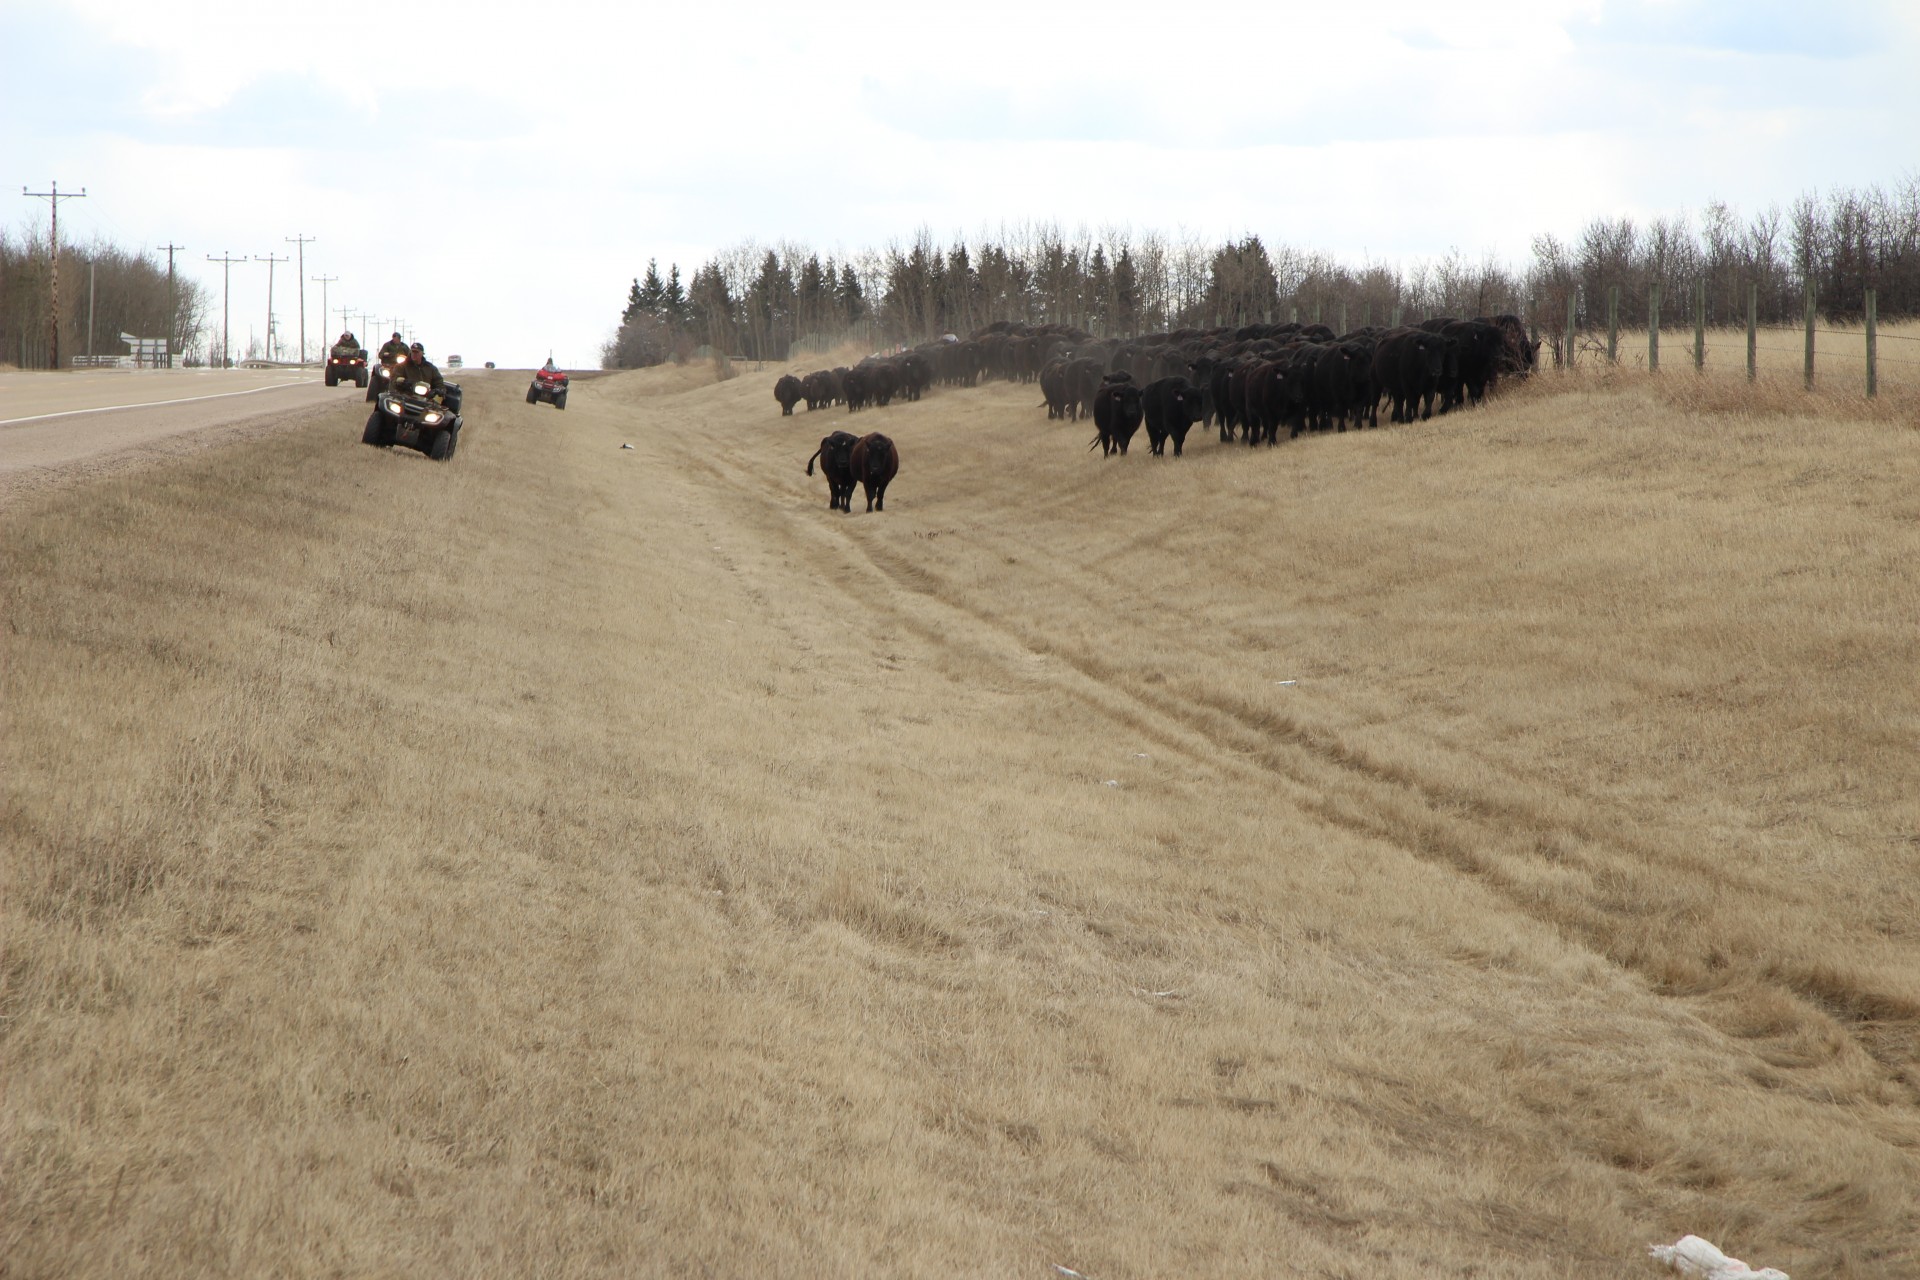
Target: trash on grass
(1692, 1256)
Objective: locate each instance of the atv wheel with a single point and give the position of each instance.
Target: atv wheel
(332, 378)
(369, 393)
(453, 440)
(559, 399)
(360, 378)
(377, 432)
(440, 448)
(533, 397)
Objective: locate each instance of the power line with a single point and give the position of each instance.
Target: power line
(303, 242)
(272, 353)
(54, 197)
(226, 261)
(323, 282)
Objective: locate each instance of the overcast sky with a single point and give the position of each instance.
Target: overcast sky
(497, 174)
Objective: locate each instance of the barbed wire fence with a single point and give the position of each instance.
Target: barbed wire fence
(1575, 341)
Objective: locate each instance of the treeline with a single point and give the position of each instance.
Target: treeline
(762, 303)
(1842, 245)
(130, 295)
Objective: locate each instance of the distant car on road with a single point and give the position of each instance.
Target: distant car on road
(453, 362)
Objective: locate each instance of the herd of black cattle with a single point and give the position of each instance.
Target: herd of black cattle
(1249, 381)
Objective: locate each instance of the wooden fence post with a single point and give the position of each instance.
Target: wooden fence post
(1343, 317)
(1873, 379)
(1753, 346)
(1653, 328)
(1613, 325)
(1810, 300)
(1700, 324)
(1572, 298)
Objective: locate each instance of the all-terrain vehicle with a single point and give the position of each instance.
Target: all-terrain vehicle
(549, 384)
(392, 370)
(413, 414)
(346, 364)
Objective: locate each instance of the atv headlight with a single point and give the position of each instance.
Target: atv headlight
(391, 405)
(421, 388)
(431, 417)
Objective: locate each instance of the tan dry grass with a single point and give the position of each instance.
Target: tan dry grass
(1779, 383)
(579, 861)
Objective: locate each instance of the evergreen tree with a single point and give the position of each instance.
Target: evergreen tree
(1099, 292)
(673, 301)
(651, 292)
(634, 304)
(853, 304)
(812, 296)
(1125, 317)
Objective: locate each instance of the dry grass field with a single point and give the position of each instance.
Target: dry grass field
(1471, 849)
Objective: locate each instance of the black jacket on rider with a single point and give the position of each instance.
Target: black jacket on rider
(393, 348)
(420, 369)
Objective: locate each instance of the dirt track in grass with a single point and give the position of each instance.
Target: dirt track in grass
(1489, 844)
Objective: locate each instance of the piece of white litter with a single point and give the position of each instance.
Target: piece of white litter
(1111, 782)
(1068, 1272)
(1140, 755)
(1286, 682)
(1692, 1256)
(626, 446)
(1158, 995)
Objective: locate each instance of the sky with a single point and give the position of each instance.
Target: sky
(496, 174)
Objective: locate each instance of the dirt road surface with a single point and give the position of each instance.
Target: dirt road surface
(64, 425)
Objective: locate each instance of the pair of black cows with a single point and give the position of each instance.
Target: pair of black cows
(871, 460)
(1266, 377)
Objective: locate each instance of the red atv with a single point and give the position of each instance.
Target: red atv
(549, 384)
(346, 364)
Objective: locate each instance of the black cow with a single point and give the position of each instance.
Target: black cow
(817, 390)
(874, 462)
(1477, 348)
(1170, 407)
(916, 375)
(836, 464)
(856, 388)
(883, 379)
(1083, 379)
(1518, 353)
(1117, 412)
(787, 392)
(1053, 385)
(1340, 370)
(1408, 365)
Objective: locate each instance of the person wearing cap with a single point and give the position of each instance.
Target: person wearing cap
(394, 349)
(420, 369)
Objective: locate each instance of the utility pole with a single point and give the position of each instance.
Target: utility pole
(323, 282)
(226, 261)
(90, 281)
(303, 242)
(272, 354)
(173, 305)
(54, 197)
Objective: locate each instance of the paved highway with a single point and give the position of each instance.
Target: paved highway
(55, 423)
